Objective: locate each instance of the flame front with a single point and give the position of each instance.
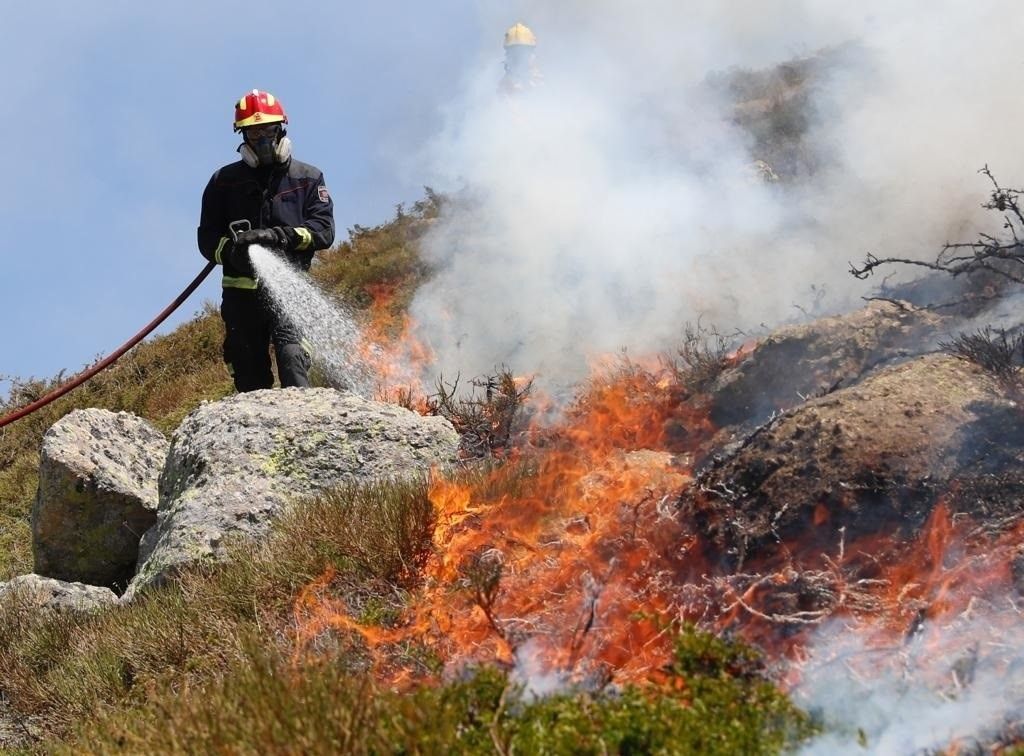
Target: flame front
(570, 565)
(570, 559)
(570, 548)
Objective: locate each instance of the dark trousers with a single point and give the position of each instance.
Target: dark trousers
(252, 325)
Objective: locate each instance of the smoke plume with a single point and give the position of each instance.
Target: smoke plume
(949, 683)
(614, 203)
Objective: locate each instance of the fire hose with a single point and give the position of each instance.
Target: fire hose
(85, 375)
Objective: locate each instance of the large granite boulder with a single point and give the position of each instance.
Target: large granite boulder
(97, 495)
(47, 594)
(235, 464)
(796, 362)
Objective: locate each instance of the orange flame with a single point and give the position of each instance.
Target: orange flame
(581, 530)
(572, 552)
(392, 350)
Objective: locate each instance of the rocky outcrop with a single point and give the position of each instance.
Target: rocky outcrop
(235, 464)
(56, 595)
(812, 359)
(873, 457)
(97, 495)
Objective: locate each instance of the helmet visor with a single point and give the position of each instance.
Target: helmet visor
(253, 134)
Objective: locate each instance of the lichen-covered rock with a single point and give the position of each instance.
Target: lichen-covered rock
(808, 360)
(235, 464)
(56, 595)
(97, 495)
(871, 458)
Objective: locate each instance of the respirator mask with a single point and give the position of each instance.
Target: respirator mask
(265, 145)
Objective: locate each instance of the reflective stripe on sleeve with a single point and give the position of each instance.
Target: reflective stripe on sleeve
(220, 249)
(239, 282)
(306, 238)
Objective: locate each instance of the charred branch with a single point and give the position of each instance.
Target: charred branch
(794, 596)
(591, 592)
(487, 417)
(481, 573)
(898, 304)
(995, 258)
(975, 298)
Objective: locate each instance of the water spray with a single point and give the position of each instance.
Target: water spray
(329, 329)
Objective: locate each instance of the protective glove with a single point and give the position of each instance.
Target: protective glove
(265, 237)
(238, 257)
(293, 239)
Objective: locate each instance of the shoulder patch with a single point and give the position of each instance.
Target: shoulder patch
(322, 191)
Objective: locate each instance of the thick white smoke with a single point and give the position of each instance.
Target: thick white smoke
(947, 684)
(613, 204)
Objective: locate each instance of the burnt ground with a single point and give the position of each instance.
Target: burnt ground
(872, 458)
(813, 359)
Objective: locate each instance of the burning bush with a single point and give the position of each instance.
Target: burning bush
(486, 418)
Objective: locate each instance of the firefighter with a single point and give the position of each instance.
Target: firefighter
(290, 212)
(521, 72)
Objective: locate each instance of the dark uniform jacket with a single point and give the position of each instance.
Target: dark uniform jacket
(288, 194)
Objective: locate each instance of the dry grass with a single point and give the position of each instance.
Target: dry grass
(63, 668)
(269, 706)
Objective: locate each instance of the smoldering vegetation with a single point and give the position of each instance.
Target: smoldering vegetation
(725, 170)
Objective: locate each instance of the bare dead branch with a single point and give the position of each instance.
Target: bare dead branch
(899, 304)
(1000, 257)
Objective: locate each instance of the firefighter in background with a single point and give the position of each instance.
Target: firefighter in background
(521, 72)
(290, 212)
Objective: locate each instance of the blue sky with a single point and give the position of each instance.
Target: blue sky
(117, 113)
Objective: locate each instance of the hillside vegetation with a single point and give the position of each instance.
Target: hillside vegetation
(224, 659)
(220, 662)
(228, 658)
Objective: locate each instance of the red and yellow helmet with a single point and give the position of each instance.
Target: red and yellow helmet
(258, 107)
